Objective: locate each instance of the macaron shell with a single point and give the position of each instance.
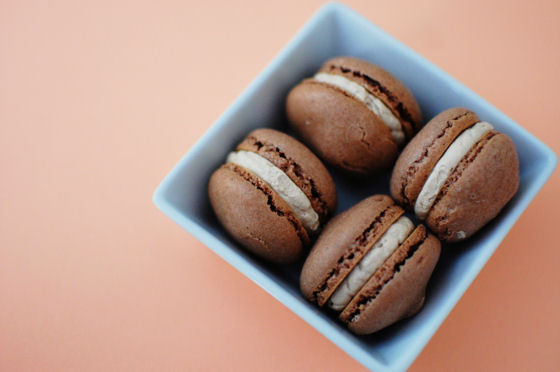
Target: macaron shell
(483, 188)
(419, 157)
(403, 295)
(383, 85)
(332, 248)
(299, 163)
(267, 226)
(339, 128)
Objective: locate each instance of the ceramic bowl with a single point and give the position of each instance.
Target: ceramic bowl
(336, 30)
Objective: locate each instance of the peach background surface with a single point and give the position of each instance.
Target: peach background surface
(98, 100)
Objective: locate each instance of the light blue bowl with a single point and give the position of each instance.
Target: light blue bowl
(336, 30)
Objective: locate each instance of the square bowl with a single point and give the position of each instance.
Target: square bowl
(337, 30)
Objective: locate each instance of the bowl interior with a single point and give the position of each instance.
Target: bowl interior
(336, 30)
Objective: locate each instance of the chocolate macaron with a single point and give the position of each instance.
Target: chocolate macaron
(354, 114)
(371, 265)
(456, 174)
(272, 195)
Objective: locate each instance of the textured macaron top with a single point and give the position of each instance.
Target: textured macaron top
(383, 85)
(353, 114)
(359, 257)
(457, 173)
(272, 195)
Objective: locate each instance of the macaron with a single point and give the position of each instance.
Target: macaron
(354, 114)
(272, 195)
(456, 174)
(371, 265)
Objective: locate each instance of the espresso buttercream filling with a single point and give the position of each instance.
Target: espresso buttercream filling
(280, 183)
(373, 103)
(368, 265)
(446, 164)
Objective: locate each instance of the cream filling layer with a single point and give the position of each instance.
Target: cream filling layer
(368, 265)
(373, 103)
(280, 183)
(445, 165)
